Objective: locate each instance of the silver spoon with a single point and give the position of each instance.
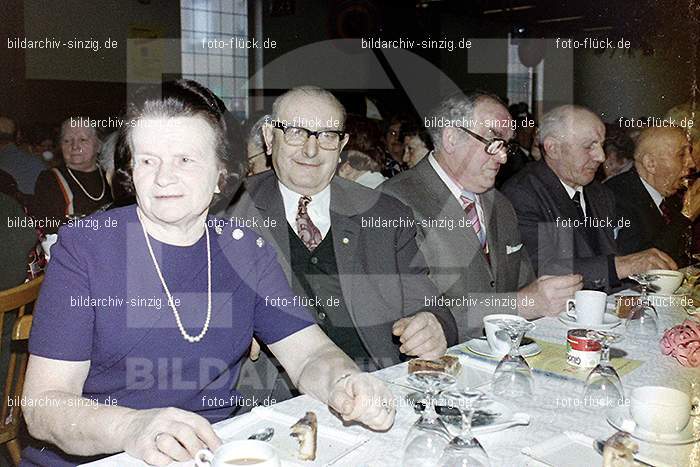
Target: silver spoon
(263, 434)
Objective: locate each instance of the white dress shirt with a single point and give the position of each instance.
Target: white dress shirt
(655, 195)
(319, 209)
(456, 190)
(572, 192)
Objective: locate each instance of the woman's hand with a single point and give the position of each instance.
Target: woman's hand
(254, 351)
(162, 436)
(365, 399)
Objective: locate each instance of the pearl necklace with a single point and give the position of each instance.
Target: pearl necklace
(70, 172)
(171, 302)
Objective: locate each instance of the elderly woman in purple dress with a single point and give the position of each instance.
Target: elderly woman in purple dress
(142, 322)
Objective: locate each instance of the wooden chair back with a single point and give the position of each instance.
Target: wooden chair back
(15, 301)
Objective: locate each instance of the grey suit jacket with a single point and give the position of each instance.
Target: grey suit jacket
(542, 203)
(383, 275)
(457, 263)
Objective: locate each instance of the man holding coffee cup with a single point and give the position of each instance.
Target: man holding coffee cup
(567, 219)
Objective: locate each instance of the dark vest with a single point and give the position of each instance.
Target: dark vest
(316, 273)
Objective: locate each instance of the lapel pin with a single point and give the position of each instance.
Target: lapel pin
(345, 240)
(218, 229)
(260, 242)
(237, 234)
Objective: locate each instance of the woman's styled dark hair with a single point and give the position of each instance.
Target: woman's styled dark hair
(181, 98)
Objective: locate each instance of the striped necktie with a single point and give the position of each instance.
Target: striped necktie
(469, 203)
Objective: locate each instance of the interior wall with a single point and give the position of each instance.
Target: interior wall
(632, 86)
(44, 86)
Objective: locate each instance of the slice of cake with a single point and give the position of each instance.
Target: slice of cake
(619, 451)
(447, 364)
(305, 431)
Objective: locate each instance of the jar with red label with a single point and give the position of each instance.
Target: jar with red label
(582, 351)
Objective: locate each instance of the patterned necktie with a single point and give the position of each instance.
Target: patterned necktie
(469, 203)
(307, 231)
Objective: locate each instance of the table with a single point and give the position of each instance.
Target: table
(553, 409)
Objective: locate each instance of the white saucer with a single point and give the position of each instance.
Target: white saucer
(481, 347)
(609, 321)
(620, 419)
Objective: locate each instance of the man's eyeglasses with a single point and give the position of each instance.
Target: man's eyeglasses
(297, 136)
(493, 146)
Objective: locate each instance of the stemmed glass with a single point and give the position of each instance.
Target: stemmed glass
(643, 317)
(513, 378)
(464, 450)
(603, 383)
(427, 437)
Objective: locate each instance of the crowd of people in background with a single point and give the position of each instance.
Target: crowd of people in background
(510, 185)
(59, 172)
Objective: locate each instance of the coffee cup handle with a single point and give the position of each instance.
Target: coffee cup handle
(203, 458)
(571, 308)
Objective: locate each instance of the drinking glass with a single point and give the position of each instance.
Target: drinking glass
(603, 384)
(643, 317)
(513, 378)
(464, 450)
(427, 438)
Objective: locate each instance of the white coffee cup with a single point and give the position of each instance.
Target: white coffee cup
(587, 307)
(500, 345)
(244, 450)
(667, 281)
(660, 409)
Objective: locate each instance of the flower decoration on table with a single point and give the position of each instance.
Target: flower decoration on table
(683, 343)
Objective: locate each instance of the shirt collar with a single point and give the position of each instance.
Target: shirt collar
(571, 191)
(455, 189)
(318, 209)
(655, 195)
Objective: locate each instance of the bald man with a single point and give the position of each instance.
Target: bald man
(567, 220)
(644, 195)
(23, 167)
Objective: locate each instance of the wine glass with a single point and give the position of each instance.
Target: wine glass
(464, 450)
(513, 378)
(427, 438)
(603, 384)
(643, 317)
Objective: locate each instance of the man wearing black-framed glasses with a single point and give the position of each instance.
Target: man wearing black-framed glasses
(482, 257)
(366, 284)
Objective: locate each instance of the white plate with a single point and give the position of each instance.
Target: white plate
(481, 347)
(609, 321)
(472, 375)
(620, 419)
(332, 444)
(568, 449)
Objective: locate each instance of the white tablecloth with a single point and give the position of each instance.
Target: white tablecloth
(553, 410)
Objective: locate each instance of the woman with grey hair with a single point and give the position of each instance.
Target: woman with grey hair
(78, 187)
(141, 351)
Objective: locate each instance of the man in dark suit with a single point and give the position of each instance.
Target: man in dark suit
(467, 229)
(567, 219)
(645, 195)
(365, 283)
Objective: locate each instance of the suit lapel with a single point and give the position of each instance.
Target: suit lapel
(561, 198)
(594, 203)
(346, 236)
(450, 208)
(487, 204)
(269, 204)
